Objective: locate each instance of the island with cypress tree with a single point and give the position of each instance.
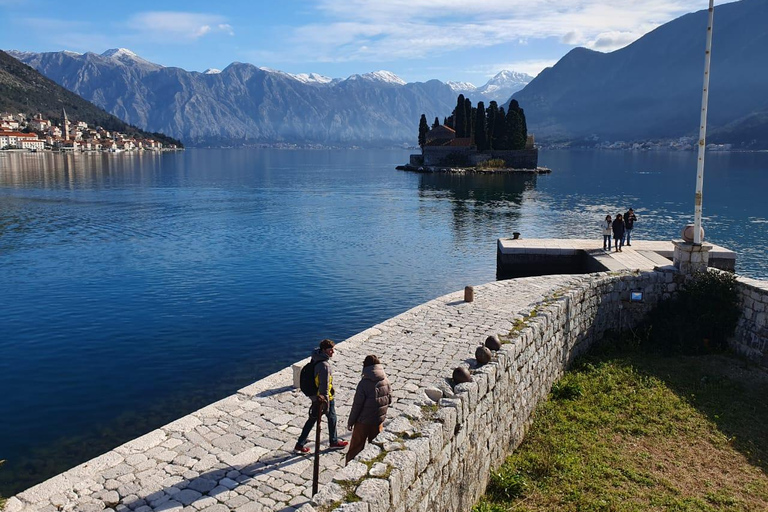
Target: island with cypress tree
(477, 139)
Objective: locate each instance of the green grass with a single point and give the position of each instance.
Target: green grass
(627, 431)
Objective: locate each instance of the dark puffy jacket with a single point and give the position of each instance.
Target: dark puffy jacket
(618, 228)
(372, 397)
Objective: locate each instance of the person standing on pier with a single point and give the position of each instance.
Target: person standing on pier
(607, 228)
(321, 357)
(369, 408)
(618, 232)
(629, 224)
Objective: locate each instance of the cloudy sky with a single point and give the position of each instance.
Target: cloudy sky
(456, 40)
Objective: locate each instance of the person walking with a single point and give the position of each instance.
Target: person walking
(618, 232)
(629, 224)
(606, 227)
(369, 408)
(321, 356)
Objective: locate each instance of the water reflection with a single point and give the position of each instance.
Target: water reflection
(481, 204)
(71, 171)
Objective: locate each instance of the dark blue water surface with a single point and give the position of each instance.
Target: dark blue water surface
(138, 288)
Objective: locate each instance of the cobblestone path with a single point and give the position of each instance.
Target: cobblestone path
(236, 454)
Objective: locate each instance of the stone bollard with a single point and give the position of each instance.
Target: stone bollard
(483, 355)
(469, 294)
(460, 375)
(493, 342)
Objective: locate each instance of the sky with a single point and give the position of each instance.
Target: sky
(450, 40)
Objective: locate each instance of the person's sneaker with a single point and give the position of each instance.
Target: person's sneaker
(339, 444)
(300, 449)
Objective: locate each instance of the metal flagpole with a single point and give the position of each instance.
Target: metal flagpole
(703, 130)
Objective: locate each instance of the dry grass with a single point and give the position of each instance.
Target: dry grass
(625, 431)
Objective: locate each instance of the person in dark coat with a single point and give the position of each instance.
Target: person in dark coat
(321, 356)
(618, 232)
(369, 408)
(629, 224)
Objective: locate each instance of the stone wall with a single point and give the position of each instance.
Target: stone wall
(467, 156)
(751, 337)
(440, 458)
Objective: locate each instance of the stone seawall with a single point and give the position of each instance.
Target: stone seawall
(440, 457)
(751, 338)
(236, 454)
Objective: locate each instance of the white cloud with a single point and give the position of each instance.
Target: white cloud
(371, 30)
(170, 26)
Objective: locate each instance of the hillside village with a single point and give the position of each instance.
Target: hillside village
(17, 132)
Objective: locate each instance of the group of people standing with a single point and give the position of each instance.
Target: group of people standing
(369, 407)
(621, 228)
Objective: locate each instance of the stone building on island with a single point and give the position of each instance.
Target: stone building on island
(444, 149)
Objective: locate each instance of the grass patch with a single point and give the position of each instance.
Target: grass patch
(629, 431)
(494, 163)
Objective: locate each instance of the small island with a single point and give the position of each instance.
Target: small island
(477, 140)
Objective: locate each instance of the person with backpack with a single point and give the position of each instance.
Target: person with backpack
(322, 378)
(369, 408)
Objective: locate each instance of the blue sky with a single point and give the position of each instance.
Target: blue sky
(416, 39)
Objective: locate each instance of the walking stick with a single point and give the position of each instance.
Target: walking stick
(316, 471)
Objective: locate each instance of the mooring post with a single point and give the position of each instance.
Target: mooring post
(469, 294)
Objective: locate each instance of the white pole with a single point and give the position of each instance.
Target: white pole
(703, 130)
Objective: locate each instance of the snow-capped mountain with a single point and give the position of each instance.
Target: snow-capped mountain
(245, 102)
(499, 88)
(461, 87)
(211, 71)
(128, 58)
(382, 76)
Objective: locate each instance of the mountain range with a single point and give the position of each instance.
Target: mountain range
(648, 90)
(24, 90)
(244, 103)
(652, 88)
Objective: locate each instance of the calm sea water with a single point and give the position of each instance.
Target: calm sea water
(138, 288)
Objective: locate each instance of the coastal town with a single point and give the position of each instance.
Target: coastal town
(18, 132)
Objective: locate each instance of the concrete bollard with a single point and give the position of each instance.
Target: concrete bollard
(469, 294)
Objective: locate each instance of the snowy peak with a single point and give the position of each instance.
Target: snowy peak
(312, 78)
(118, 53)
(211, 71)
(461, 86)
(382, 76)
(509, 77)
(127, 57)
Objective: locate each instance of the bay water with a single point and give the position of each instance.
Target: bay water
(136, 288)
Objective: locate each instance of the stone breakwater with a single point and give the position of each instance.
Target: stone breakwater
(235, 455)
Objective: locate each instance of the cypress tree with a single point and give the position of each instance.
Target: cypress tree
(459, 119)
(423, 129)
(518, 131)
(467, 117)
(514, 128)
(501, 140)
(480, 137)
(490, 123)
(436, 123)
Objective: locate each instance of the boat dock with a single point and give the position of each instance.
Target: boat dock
(540, 256)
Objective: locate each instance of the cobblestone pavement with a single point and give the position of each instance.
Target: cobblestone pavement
(236, 454)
